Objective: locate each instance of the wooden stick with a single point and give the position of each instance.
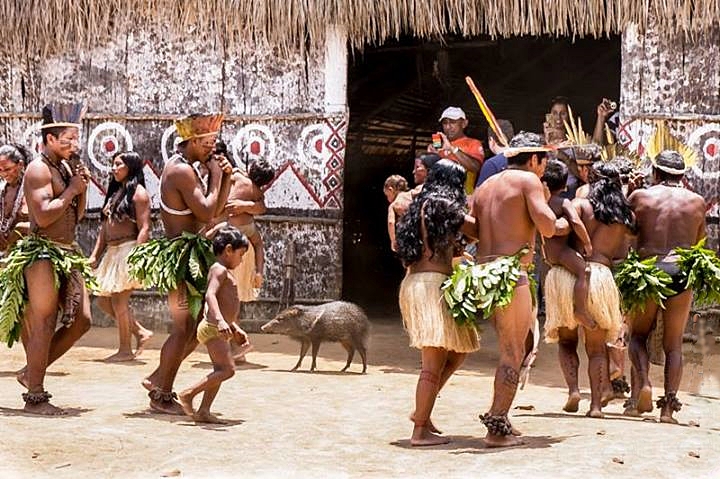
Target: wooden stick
(487, 112)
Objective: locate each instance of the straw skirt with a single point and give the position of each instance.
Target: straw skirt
(245, 272)
(112, 272)
(427, 318)
(603, 301)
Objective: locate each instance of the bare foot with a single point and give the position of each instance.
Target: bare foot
(141, 338)
(21, 377)
(119, 357)
(147, 384)
(645, 400)
(668, 419)
(429, 424)
(515, 431)
(185, 400)
(239, 353)
(595, 413)
(502, 441)
(167, 407)
(607, 397)
(572, 402)
(631, 412)
(205, 416)
(422, 436)
(43, 409)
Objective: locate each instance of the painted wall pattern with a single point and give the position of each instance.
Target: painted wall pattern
(275, 109)
(677, 81)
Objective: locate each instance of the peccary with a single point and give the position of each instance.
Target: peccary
(336, 322)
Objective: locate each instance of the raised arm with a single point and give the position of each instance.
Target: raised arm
(42, 207)
(203, 207)
(237, 207)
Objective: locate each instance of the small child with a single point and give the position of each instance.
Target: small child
(394, 186)
(557, 251)
(218, 325)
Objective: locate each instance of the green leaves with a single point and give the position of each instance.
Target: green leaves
(702, 268)
(639, 281)
(475, 291)
(165, 263)
(12, 279)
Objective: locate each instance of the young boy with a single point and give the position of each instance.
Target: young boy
(557, 251)
(218, 325)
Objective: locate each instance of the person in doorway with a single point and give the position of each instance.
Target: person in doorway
(457, 146)
(14, 219)
(394, 186)
(125, 223)
(497, 163)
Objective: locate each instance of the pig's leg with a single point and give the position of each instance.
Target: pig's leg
(315, 349)
(304, 346)
(363, 355)
(351, 353)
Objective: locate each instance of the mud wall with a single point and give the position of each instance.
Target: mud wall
(677, 80)
(290, 110)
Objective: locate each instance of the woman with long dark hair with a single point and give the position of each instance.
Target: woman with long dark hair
(426, 241)
(14, 219)
(125, 223)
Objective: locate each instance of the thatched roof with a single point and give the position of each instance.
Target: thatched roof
(43, 27)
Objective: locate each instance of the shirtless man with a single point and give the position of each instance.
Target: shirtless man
(669, 217)
(55, 194)
(609, 221)
(509, 208)
(185, 208)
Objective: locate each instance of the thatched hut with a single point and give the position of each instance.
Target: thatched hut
(278, 69)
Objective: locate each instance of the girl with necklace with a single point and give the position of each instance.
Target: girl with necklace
(14, 220)
(125, 223)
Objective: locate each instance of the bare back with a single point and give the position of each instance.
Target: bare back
(243, 189)
(608, 241)
(668, 217)
(508, 208)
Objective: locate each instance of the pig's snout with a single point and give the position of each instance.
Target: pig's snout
(269, 326)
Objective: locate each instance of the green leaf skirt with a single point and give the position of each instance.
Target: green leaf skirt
(13, 295)
(166, 264)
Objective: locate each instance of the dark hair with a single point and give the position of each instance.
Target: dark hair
(123, 206)
(607, 199)
(624, 166)
(442, 206)
(429, 159)
(16, 153)
(507, 129)
(228, 235)
(559, 100)
(526, 139)
(261, 173)
(55, 131)
(555, 176)
(669, 159)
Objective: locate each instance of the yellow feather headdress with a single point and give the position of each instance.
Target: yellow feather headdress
(663, 140)
(198, 126)
(581, 149)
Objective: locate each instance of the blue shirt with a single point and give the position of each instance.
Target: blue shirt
(492, 166)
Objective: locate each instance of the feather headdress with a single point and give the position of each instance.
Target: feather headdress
(198, 126)
(663, 140)
(63, 115)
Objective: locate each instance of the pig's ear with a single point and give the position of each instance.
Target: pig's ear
(292, 312)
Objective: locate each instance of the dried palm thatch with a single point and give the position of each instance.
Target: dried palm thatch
(44, 27)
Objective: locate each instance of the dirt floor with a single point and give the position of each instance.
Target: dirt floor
(331, 424)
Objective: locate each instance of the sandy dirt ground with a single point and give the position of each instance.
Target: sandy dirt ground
(331, 424)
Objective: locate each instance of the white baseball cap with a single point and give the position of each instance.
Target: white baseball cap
(453, 113)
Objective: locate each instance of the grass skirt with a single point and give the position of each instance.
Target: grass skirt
(113, 271)
(427, 318)
(603, 302)
(245, 272)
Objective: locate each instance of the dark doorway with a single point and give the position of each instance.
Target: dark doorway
(396, 93)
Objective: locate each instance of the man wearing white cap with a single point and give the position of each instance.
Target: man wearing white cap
(456, 146)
